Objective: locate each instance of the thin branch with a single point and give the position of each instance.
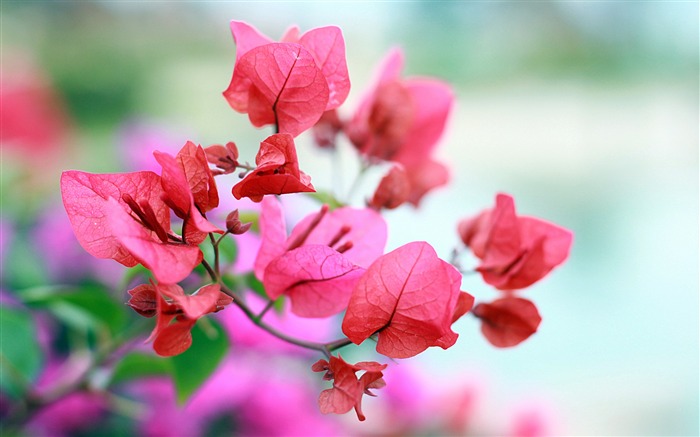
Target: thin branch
(267, 308)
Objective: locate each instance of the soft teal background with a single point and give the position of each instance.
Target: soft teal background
(586, 112)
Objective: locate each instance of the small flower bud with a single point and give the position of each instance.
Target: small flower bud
(143, 300)
(234, 224)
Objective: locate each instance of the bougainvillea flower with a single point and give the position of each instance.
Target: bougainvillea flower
(401, 120)
(326, 45)
(515, 251)
(507, 321)
(193, 160)
(175, 317)
(290, 83)
(124, 217)
(171, 261)
(320, 262)
(347, 389)
(318, 280)
(393, 190)
(28, 95)
(327, 129)
(225, 158)
(277, 171)
(190, 190)
(409, 298)
(362, 231)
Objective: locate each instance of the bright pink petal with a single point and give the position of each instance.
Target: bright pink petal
(165, 313)
(174, 339)
(246, 37)
(515, 251)
(327, 46)
(504, 244)
(84, 196)
(291, 34)
(200, 179)
(169, 262)
(508, 321)
(382, 123)
(408, 296)
(366, 231)
(474, 232)
(433, 101)
(456, 298)
(391, 66)
(465, 302)
(277, 172)
(317, 279)
(143, 300)
(557, 240)
(174, 181)
(179, 195)
(279, 83)
(194, 305)
(393, 190)
(273, 233)
(424, 177)
(347, 389)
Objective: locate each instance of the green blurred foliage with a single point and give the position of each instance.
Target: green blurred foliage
(20, 357)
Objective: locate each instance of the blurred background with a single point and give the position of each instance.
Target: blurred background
(586, 112)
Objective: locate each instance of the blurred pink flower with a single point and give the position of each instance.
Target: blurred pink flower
(244, 333)
(79, 411)
(532, 419)
(6, 237)
(162, 417)
(258, 400)
(138, 139)
(64, 259)
(37, 123)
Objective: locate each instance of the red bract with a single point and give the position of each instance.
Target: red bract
(84, 196)
(320, 262)
(277, 171)
(193, 160)
(361, 232)
(326, 129)
(508, 321)
(347, 389)
(326, 45)
(170, 261)
(224, 158)
(515, 251)
(393, 190)
(409, 297)
(401, 120)
(290, 83)
(190, 190)
(175, 318)
(317, 279)
(123, 217)
(28, 96)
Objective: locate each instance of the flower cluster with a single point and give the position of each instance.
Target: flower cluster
(333, 260)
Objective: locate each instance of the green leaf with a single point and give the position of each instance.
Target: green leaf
(327, 198)
(20, 355)
(252, 217)
(134, 272)
(138, 365)
(89, 307)
(23, 269)
(228, 249)
(193, 367)
(254, 284)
